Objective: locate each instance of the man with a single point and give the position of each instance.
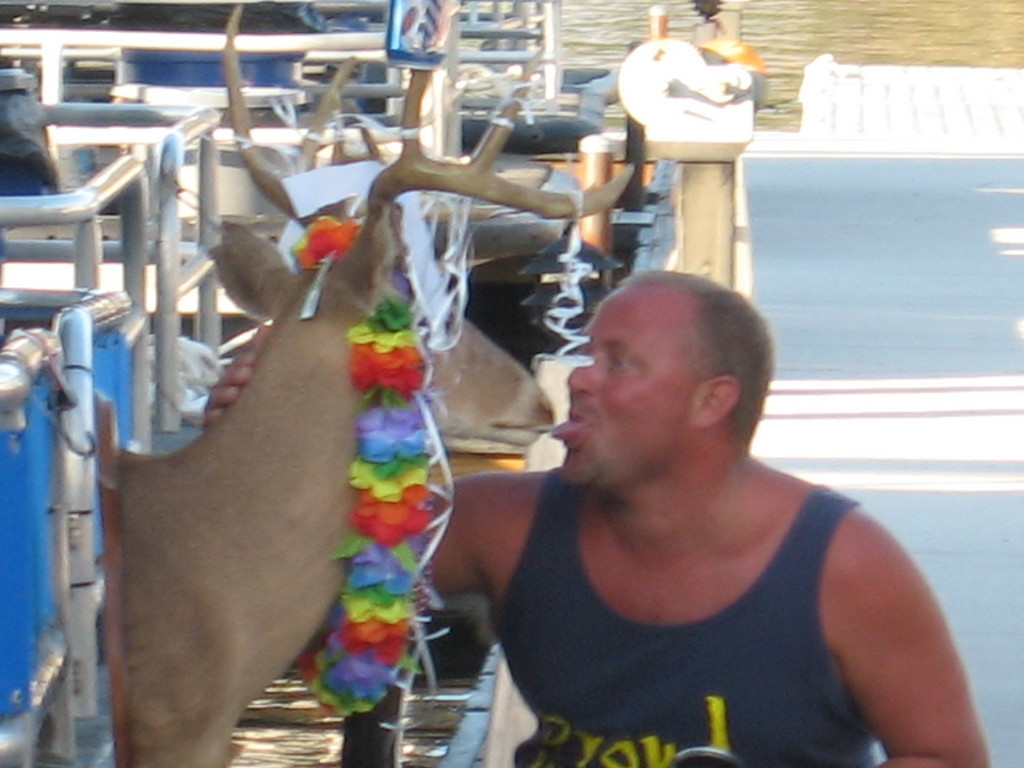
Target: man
(664, 590)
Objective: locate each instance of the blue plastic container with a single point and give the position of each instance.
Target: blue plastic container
(27, 603)
(203, 69)
(112, 378)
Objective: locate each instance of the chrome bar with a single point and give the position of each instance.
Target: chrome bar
(22, 357)
(167, 408)
(75, 501)
(209, 322)
(17, 739)
(158, 137)
(135, 252)
(75, 206)
(112, 39)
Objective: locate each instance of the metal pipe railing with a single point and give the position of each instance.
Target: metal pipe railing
(52, 46)
(64, 672)
(22, 359)
(77, 205)
(145, 179)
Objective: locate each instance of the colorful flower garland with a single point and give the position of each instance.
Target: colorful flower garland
(367, 647)
(325, 238)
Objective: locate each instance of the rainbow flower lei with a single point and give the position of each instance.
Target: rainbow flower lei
(367, 648)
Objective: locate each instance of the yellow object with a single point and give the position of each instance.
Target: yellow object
(735, 52)
(717, 723)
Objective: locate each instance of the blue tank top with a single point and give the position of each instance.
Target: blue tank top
(609, 691)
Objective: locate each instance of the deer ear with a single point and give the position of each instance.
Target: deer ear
(252, 271)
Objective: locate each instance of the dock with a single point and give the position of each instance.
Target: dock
(903, 111)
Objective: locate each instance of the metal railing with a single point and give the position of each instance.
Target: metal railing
(49, 377)
(51, 47)
(144, 180)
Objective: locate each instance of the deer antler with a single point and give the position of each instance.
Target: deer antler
(329, 102)
(476, 178)
(267, 178)
(414, 170)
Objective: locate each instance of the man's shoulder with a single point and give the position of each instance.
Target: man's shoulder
(886, 589)
(497, 508)
(491, 521)
(513, 489)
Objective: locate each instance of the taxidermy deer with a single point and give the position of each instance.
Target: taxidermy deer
(489, 398)
(221, 562)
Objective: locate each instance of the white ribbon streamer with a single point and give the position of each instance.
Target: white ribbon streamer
(564, 316)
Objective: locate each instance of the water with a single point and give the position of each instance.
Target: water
(789, 34)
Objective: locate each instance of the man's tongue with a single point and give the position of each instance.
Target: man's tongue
(569, 432)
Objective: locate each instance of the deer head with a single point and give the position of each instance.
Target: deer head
(490, 397)
(222, 561)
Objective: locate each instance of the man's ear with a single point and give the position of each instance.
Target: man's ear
(715, 399)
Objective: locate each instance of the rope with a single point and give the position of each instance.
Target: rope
(198, 370)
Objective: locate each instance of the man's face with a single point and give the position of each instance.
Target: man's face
(631, 408)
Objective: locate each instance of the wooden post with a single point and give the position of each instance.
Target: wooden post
(705, 202)
(596, 169)
(730, 19)
(705, 215)
(368, 743)
(657, 18)
(636, 155)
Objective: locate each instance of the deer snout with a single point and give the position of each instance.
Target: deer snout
(489, 396)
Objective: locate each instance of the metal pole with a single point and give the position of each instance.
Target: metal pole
(596, 169)
(51, 72)
(74, 325)
(88, 253)
(207, 318)
(134, 220)
(657, 18)
(168, 268)
(552, 55)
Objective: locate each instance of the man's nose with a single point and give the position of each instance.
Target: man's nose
(581, 375)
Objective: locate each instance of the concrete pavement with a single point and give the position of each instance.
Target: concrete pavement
(901, 376)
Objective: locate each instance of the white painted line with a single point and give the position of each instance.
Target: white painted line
(949, 419)
(935, 482)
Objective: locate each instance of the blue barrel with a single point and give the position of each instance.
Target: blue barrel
(27, 604)
(112, 378)
(199, 69)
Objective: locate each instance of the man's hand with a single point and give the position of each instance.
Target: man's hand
(226, 392)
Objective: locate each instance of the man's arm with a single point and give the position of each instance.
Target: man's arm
(489, 523)
(895, 652)
(486, 534)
